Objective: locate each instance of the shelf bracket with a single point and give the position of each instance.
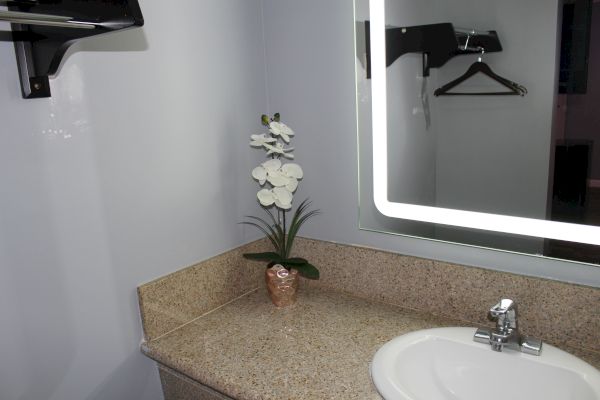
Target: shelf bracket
(43, 30)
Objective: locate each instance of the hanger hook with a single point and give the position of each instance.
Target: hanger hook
(467, 41)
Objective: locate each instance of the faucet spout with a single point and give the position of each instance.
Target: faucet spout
(505, 312)
(506, 334)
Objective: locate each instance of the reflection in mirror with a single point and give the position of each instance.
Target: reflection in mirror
(535, 156)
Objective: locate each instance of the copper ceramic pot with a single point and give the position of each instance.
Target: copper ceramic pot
(282, 285)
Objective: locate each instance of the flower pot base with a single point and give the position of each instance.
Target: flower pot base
(282, 285)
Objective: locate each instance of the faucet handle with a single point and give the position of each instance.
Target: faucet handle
(502, 308)
(506, 314)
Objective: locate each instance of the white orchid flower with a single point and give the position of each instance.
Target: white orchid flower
(279, 196)
(279, 149)
(281, 129)
(292, 170)
(272, 165)
(271, 171)
(292, 185)
(261, 140)
(266, 197)
(277, 178)
(260, 174)
(274, 175)
(283, 198)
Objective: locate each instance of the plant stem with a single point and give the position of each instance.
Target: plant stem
(285, 251)
(281, 239)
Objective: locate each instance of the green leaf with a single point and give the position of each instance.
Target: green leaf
(280, 235)
(294, 225)
(275, 233)
(307, 270)
(263, 230)
(300, 217)
(268, 256)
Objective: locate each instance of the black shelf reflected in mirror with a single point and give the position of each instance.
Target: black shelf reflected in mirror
(437, 42)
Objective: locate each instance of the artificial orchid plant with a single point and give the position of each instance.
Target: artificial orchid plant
(279, 181)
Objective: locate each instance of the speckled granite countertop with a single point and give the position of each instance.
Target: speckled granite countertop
(319, 348)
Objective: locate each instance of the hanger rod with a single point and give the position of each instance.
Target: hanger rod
(469, 31)
(43, 19)
(477, 49)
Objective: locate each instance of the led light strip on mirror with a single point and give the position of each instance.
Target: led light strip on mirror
(467, 219)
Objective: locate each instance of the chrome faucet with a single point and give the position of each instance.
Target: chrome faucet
(506, 334)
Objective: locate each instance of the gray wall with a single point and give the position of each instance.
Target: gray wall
(583, 118)
(133, 169)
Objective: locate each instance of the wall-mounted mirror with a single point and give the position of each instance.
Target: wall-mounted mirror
(508, 172)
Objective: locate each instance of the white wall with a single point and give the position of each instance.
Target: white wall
(311, 60)
(132, 170)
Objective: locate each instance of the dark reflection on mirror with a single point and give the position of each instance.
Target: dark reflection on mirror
(471, 155)
(576, 184)
(574, 47)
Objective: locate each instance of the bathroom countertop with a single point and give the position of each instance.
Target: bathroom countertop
(319, 348)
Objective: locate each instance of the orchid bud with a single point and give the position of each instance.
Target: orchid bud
(264, 119)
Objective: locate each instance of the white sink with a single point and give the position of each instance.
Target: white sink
(446, 364)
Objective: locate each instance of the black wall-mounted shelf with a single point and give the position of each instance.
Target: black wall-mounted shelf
(43, 30)
(437, 42)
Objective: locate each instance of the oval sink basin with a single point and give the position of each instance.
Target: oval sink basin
(446, 364)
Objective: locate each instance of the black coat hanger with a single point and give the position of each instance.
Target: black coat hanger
(477, 67)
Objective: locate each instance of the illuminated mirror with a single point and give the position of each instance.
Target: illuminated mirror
(516, 173)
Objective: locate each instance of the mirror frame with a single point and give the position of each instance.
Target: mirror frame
(468, 219)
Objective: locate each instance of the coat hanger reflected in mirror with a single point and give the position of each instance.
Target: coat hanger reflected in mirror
(480, 67)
